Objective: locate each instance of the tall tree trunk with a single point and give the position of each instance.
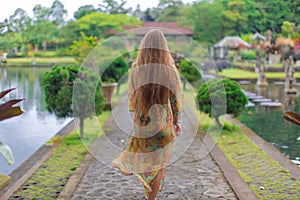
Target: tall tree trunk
(218, 121)
(81, 125)
(118, 88)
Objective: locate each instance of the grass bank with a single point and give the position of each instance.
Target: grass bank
(265, 176)
(253, 64)
(49, 180)
(244, 74)
(39, 60)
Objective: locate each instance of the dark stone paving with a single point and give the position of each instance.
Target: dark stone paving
(190, 177)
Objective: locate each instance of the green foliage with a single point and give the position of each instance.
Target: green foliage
(212, 20)
(171, 10)
(115, 70)
(189, 71)
(84, 10)
(97, 24)
(69, 33)
(57, 85)
(248, 54)
(234, 17)
(81, 48)
(247, 37)
(73, 91)
(205, 18)
(87, 96)
(287, 28)
(113, 7)
(210, 98)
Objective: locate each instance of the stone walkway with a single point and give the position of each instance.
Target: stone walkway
(189, 176)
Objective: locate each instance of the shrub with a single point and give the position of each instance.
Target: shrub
(189, 71)
(248, 55)
(73, 91)
(210, 98)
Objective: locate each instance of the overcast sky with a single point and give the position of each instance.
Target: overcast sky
(9, 7)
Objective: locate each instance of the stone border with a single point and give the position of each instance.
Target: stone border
(20, 175)
(268, 148)
(238, 185)
(236, 182)
(77, 175)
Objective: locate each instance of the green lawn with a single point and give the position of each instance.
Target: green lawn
(247, 64)
(19, 61)
(244, 74)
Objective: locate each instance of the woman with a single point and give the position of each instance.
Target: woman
(154, 97)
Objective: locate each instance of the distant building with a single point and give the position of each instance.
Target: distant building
(220, 49)
(258, 36)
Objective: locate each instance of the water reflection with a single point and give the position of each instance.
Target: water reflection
(26, 133)
(268, 122)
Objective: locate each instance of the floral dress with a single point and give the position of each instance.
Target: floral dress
(144, 156)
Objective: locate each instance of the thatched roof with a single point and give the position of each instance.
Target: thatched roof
(232, 42)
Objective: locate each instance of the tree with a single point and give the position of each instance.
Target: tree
(69, 33)
(83, 11)
(169, 3)
(113, 7)
(295, 10)
(97, 24)
(57, 13)
(235, 18)
(81, 48)
(287, 28)
(59, 85)
(254, 17)
(115, 71)
(172, 10)
(275, 12)
(42, 28)
(18, 22)
(210, 98)
(205, 18)
(151, 14)
(189, 72)
(138, 13)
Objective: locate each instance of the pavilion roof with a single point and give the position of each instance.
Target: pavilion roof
(258, 36)
(232, 42)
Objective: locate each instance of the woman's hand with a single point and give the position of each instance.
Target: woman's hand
(177, 128)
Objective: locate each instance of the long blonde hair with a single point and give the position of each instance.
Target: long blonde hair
(154, 76)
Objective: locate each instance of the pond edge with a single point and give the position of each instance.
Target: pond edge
(268, 148)
(20, 175)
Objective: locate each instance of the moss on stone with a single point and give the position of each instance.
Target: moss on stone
(49, 180)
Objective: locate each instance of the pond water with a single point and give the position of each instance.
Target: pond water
(268, 122)
(26, 133)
